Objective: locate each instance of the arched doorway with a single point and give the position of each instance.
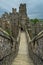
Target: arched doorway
(22, 29)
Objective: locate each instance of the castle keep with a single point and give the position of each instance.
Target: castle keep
(23, 15)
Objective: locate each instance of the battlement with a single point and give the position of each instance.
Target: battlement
(14, 10)
(22, 9)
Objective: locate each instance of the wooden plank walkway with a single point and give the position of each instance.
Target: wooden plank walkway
(23, 55)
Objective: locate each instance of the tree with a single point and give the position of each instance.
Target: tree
(35, 21)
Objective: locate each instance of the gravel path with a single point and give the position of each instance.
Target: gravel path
(23, 55)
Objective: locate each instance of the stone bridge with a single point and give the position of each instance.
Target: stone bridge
(22, 51)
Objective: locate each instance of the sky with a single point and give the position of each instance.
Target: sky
(34, 7)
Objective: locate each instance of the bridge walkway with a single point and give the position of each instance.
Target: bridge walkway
(23, 55)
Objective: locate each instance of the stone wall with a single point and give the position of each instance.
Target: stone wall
(5, 47)
(22, 15)
(8, 49)
(22, 9)
(35, 50)
(14, 20)
(36, 28)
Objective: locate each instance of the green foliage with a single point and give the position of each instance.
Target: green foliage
(34, 20)
(8, 31)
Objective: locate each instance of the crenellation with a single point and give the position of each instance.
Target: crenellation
(22, 9)
(14, 10)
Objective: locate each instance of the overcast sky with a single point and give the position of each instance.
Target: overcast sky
(34, 7)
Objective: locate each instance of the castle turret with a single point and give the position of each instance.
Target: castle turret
(23, 15)
(22, 9)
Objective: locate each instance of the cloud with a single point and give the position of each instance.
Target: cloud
(34, 7)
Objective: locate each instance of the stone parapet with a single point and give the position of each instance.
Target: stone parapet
(37, 59)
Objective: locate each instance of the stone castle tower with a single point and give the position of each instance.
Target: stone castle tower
(22, 9)
(23, 15)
